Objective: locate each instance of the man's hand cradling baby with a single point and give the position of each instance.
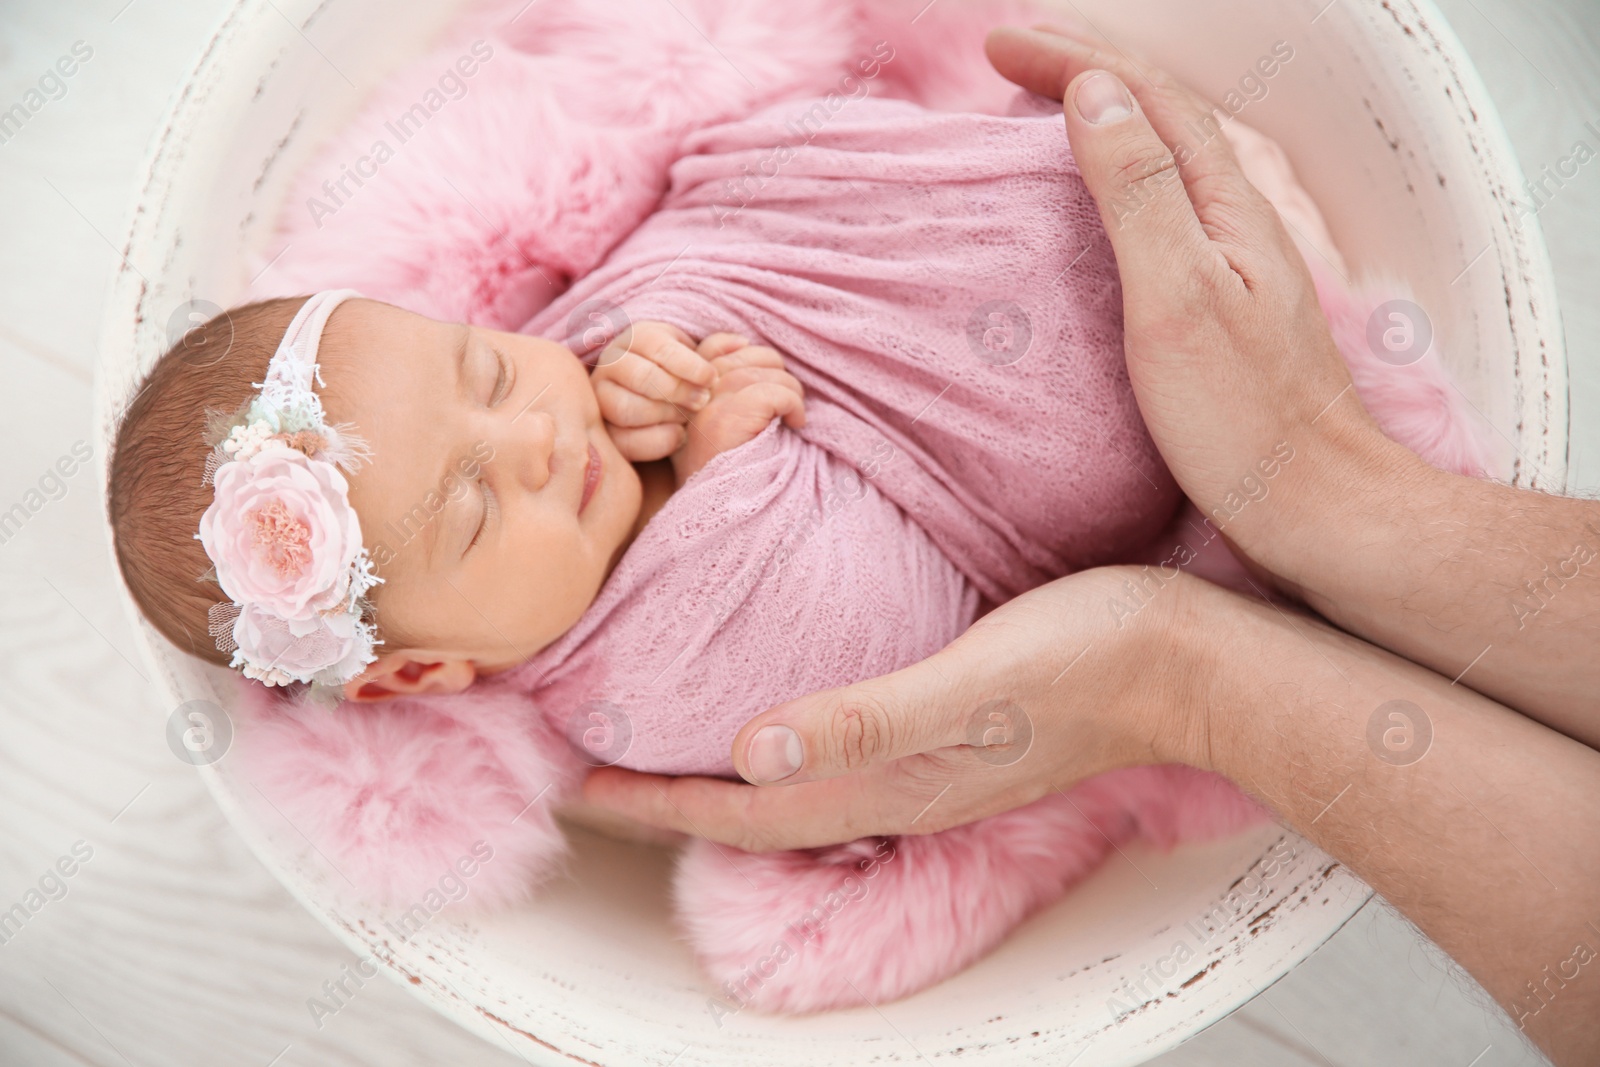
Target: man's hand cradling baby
(647, 381)
(899, 754)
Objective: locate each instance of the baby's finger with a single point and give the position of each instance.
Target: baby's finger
(748, 356)
(744, 377)
(672, 356)
(778, 398)
(720, 344)
(646, 443)
(648, 378)
(622, 406)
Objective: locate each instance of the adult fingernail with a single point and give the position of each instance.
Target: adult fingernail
(699, 398)
(774, 753)
(1102, 99)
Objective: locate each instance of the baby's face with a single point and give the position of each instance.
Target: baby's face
(495, 503)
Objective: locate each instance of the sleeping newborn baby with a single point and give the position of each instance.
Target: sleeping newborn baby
(829, 402)
(940, 287)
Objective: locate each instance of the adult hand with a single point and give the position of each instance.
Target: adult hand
(1235, 372)
(1078, 687)
(1458, 810)
(1228, 350)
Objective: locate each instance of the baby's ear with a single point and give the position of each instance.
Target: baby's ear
(411, 672)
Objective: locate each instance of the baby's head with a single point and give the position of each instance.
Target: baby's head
(462, 451)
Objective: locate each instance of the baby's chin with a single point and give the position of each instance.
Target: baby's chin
(614, 512)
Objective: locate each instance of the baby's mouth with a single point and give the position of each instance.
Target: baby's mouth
(592, 470)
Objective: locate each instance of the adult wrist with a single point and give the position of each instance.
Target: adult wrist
(1343, 497)
(1187, 656)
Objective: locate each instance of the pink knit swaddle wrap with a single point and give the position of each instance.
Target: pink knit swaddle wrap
(942, 286)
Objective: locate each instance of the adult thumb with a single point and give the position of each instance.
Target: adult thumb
(849, 729)
(1134, 178)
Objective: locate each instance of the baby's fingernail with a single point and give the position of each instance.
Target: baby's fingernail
(1101, 98)
(699, 398)
(774, 753)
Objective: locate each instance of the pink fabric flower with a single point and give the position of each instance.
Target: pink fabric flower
(280, 650)
(282, 532)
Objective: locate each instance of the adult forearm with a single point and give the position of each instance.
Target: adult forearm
(1494, 586)
(1479, 824)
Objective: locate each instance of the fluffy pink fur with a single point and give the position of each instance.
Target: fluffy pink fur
(562, 141)
(1417, 404)
(558, 149)
(883, 917)
(392, 795)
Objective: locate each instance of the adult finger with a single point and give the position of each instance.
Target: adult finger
(613, 824)
(1049, 59)
(1135, 182)
(733, 813)
(1130, 171)
(1046, 58)
(852, 728)
(807, 815)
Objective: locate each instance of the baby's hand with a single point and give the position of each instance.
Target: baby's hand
(648, 380)
(751, 389)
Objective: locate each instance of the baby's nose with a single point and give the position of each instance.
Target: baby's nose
(536, 447)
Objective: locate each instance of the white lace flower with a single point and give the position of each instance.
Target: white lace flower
(280, 528)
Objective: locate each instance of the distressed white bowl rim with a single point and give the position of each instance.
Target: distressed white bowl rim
(546, 981)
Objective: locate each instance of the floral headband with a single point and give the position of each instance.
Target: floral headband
(280, 528)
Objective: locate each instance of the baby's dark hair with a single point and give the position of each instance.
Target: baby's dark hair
(157, 489)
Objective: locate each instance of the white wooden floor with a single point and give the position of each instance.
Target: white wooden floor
(172, 945)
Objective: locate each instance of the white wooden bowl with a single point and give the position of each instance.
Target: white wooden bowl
(1392, 132)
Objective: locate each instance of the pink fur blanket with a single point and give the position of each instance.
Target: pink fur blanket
(897, 261)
